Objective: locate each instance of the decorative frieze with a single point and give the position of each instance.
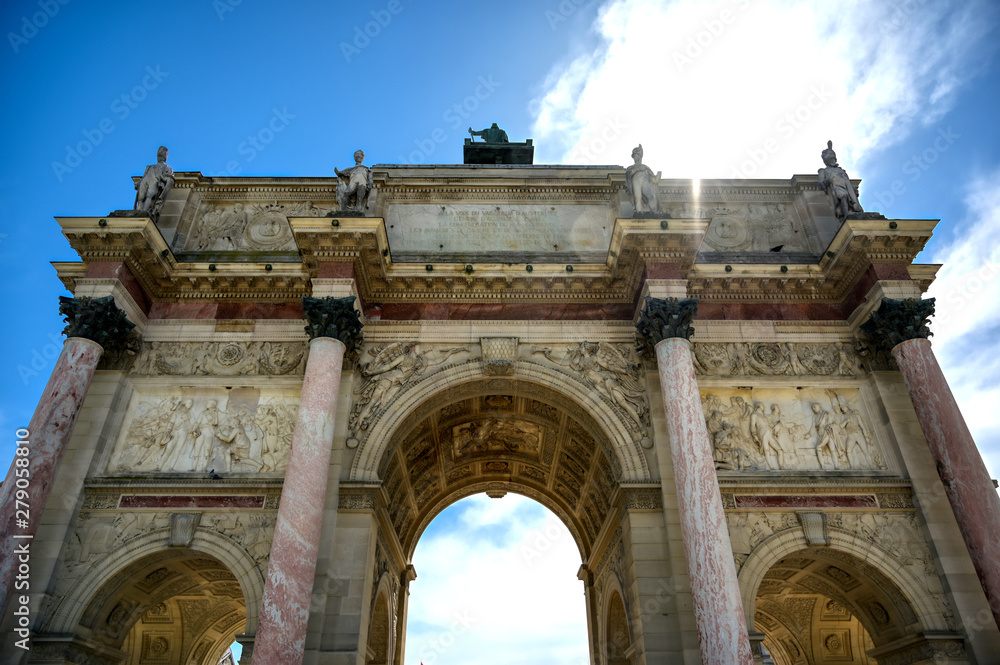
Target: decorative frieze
(775, 359)
(220, 359)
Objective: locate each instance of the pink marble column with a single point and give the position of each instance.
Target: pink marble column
(722, 627)
(291, 570)
(49, 431)
(333, 326)
(966, 480)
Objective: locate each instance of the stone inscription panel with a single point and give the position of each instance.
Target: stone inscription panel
(503, 233)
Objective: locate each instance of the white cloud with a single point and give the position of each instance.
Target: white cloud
(967, 322)
(499, 586)
(755, 89)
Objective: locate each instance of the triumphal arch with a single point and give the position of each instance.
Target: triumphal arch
(724, 389)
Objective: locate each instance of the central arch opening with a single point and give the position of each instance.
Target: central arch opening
(497, 582)
(506, 486)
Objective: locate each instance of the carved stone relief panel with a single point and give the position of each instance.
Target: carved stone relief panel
(799, 429)
(495, 435)
(386, 370)
(220, 358)
(247, 226)
(187, 430)
(776, 359)
(612, 371)
(751, 227)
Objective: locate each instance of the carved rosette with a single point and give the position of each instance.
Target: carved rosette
(666, 318)
(894, 322)
(333, 317)
(96, 319)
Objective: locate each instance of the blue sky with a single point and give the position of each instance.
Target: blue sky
(907, 90)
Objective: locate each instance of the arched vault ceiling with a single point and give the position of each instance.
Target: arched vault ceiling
(457, 445)
(170, 606)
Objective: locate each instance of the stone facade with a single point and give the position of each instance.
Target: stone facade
(755, 473)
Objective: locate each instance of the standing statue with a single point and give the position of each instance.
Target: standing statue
(491, 134)
(354, 185)
(642, 186)
(835, 182)
(156, 182)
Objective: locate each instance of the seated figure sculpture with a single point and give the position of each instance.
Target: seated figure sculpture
(641, 185)
(835, 182)
(354, 185)
(156, 182)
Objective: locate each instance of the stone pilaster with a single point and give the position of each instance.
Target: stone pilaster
(92, 325)
(408, 575)
(902, 327)
(335, 329)
(666, 326)
(586, 576)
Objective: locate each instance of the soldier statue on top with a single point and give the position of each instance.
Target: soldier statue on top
(642, 186)
(156, 182)
(835, 182)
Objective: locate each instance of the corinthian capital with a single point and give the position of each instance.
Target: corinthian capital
(897, 321)
(96, 319)
(333, 317)
(666, 318)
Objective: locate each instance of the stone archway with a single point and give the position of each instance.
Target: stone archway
(494, 436)
(617, 643)
(378, 633)
(815, 604)
(545, 383)
(176, 607)
(490, 437)
(126, 603)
